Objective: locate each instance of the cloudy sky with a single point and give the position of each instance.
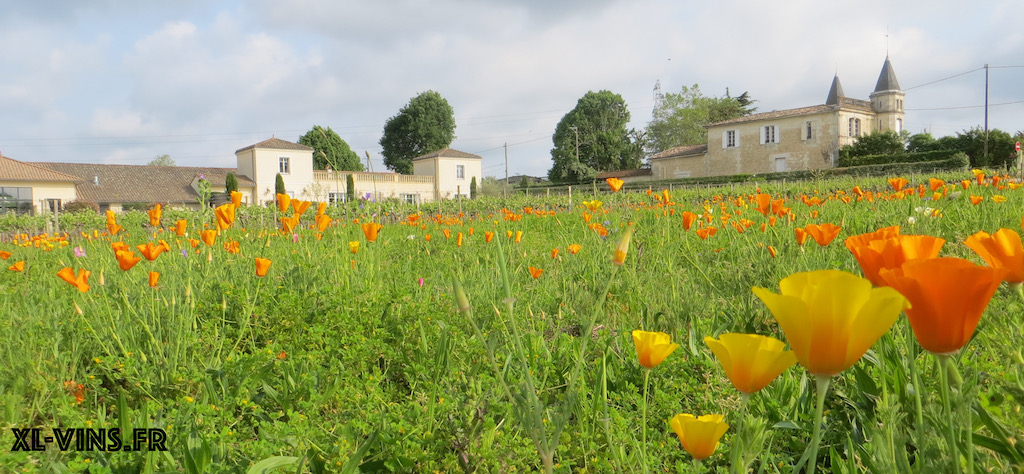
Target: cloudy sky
(122, 82)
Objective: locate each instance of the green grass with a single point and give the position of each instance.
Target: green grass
(340, 365)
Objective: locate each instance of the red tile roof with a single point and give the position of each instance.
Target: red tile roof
(14, 170)
(447, 153)
(140, 183)
(685, 150)
(278, 144)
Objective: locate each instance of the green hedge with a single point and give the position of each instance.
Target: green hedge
(937, 155)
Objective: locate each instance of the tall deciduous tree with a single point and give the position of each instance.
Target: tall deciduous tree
(883, 142)
(162, 160)
(330, 150)
(426, 124)
(592, 138)
(679, 119)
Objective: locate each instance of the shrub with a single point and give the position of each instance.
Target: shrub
(81, 206)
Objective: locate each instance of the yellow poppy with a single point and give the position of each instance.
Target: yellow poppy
(353, 246)
(699, 435)
(751, 361)
(652, 347)
(620, 250)
(831, 318)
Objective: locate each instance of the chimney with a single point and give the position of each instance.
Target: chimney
(96, 179)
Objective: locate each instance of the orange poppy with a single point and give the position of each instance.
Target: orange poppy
(4, 255)
(935, 183)
(262, 265)
(1002, 249)
(81, 281)
(947, 296)
(150, 251)
(126, 259)
(154, 215)
(615, 184)
(772, 251)
(488, 236)
(447, 233)
(180, 226)
(898, 184)
(890, 251)
(321, 208)
(209, 236)
(370, 230)
(283, 201)
(554, 253)
(225, 216)
(322, 221)
(18, 266)
(519, 236)
(688, 219)
(300, 206)
(764, 203)
(706, 232)
(236, 199)
(801, 235)
(822, 234)
(154, 277)
(574, 248)
(288, 223)
(458, 240)
(535, 272)
(975, 199)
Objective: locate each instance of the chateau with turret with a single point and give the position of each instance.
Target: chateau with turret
(788, 140)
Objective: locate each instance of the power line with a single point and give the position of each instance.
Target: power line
(971, 106)
(943, 79)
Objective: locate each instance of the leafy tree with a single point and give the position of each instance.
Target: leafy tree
(230, 183)
(330, 150)
(472, 188)
(679, 119)
(920, 142)
(592, 138)
(884, 142)
(279, 185)
(426, 124)
(972, 142)
(162, 160)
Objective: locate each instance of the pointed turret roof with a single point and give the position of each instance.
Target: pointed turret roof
(887, 79)
(834, 92)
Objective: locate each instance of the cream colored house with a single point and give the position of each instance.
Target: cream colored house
(26, 188)
(788, 140)
(35, 187)
(263, 161)
(453, 171)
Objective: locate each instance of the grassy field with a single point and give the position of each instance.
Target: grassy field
(363, 359)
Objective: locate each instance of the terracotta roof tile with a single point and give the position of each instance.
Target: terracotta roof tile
(685, 150)
(14, 170)
(447, 153)
(135, 183)
(278, 144)
(777, 114)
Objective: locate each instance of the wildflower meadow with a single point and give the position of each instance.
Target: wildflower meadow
(841, 325)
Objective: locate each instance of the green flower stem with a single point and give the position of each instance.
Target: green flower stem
(821, 384)
(643, 428)
(912, 353)
(738, 447)
(945, 393)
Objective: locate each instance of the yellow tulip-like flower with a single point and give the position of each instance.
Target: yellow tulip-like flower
(831, 318)
(592, 205)
(353, 246)
(619, 257)
(652, 347)
(751, 361)
(699, 435)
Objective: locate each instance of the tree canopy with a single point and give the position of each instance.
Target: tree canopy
(679, 119)
(1001, 151)
(426, 124)
(330, 150)
(884, 142)
(593, 137)
(162, 160)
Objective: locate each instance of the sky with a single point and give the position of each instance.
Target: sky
(118, 82)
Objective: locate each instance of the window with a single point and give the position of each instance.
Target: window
(284, 165)
(769, 134)
(730, 139)
(899, 125)
(408, 198)
(855, 127)
(460, 171)
(335, 198)
(16, 200)
(809, 132)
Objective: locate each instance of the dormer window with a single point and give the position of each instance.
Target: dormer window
(284, 165)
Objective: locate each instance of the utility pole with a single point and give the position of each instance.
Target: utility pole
(985, 154)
